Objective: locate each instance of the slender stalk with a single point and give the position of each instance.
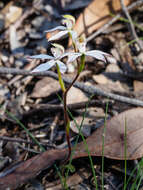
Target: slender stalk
(66, 116)
(60, 79)
(125, 154)
(103, 142)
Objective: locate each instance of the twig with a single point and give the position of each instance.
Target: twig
(4, 138)
(29, 149)
(48, 108)
(113, 20)
(10, 139)
(132, 28)
(88, 89)
(54, 127)
(137, 76)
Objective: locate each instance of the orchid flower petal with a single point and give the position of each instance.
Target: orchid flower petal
(73, 56)
(56, 28)
(58, 35)
(64, 55)
(44, 67)
(62, 66)
(40, 56)
(100, 55)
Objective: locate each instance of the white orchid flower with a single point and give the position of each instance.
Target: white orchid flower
(81, 48)
(69, 22)
(58, 53)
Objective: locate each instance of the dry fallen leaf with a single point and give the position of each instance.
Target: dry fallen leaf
(114, 147)
(110, 86)
(45, 87)
(97, 14)
(138, 86)
(75, 95)
(111, 80)
(115, 137)
(22, 172)
(13, 15)
(100, 79)
(86, 127)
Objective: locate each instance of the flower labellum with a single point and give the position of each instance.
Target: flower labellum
(69, 21)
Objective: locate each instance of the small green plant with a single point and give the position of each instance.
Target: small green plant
(78, 55)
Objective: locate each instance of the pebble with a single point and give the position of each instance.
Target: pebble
(38, 21)
(13, 15)
(35, 35)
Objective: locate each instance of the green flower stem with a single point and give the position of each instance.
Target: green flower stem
(82, 63)
(60, 79)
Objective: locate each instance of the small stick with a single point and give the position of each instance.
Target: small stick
(28, 149)
(18, 140)
(46, 108)
(132, 28)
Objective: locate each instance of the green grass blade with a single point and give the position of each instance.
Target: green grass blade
(125, 154)
(134, 40)
(127, 21)
(140, 173)
(103, 139)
